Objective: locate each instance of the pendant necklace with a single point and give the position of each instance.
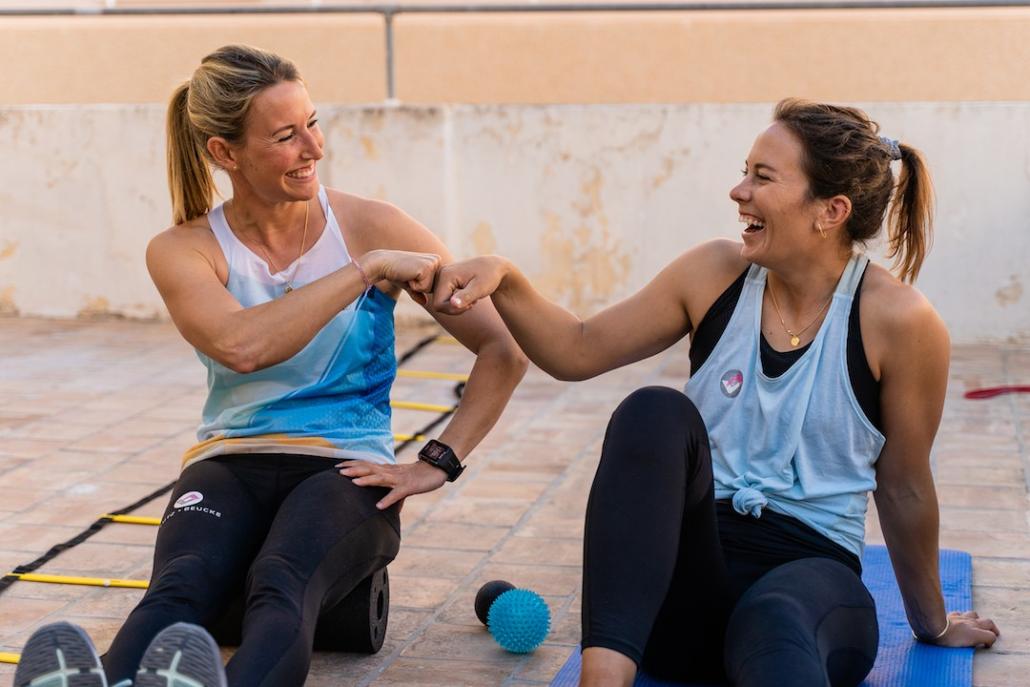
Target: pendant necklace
(795, 337)
(303, 240)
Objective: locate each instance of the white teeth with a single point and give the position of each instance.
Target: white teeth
(751, 220)
(302, 173)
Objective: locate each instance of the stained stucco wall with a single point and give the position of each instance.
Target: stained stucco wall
(590, 200)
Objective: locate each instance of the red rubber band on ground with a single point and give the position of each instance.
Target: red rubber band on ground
(992, 391)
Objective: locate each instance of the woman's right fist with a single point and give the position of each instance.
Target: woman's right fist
(415, 272)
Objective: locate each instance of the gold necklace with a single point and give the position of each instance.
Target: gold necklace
(303, 240)
(795, 337)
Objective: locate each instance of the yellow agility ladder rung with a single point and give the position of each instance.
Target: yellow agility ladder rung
(409, 437)
(9, 658)
(86, 581)
(445, 339)
(131, 519)
(424, 374)
(429, 407)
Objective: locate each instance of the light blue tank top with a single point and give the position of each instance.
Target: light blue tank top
(330, 399)
(799, 443)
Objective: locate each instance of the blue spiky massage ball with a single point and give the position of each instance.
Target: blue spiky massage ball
(519, 620)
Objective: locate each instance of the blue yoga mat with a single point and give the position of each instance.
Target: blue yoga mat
(901, 661)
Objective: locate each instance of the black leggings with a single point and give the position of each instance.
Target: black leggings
(660, 587)
(289, 530)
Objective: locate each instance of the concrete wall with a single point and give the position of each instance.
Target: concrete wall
(590, 200)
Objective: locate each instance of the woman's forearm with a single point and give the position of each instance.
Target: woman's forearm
(550, 335)
(263, 335)
(910, 524)
(498, 369)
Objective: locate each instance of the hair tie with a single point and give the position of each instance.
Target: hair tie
(893, 148)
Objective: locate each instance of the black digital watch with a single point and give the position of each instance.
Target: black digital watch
(441, 456)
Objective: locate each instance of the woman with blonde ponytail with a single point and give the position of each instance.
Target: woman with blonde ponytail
(725, 525)
(291, 497)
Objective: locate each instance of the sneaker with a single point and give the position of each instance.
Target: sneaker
(59, 655)
(181, 655)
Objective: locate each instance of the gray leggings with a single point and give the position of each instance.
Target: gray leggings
(660, 587)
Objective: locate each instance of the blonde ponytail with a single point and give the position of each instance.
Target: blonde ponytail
(189, 176)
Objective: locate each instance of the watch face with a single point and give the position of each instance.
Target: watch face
(434, 450)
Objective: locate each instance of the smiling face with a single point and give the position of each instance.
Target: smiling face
(281, 144)
(773, 200)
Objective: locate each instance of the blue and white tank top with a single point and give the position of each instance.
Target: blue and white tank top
(799, 443)
(330, 399)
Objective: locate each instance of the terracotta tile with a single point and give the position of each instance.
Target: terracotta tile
(419, 592)
(504, 489)
(66, 594)
(20, 614)
(983, 496)
(430, 672)
(480, 510)
(31, 477)
(995, 669)
(19, 499)
(422, 562)
(994, 544)
(536, 550)
(92, 559)
(113, 441)
(52, 430)
(107, 603)
(28, 448)
(547, 580)
(121, 533)
(1000, 572)
(458, 536)
(330, 669)
(33, 538)
(464, 642)
(949, 473)
(995, 520)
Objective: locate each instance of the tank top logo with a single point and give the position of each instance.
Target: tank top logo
(731, 383)
(188, 499)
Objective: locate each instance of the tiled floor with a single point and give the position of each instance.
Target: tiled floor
(93, 415)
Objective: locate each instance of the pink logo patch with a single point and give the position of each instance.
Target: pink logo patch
(731, 383)
(188, 499)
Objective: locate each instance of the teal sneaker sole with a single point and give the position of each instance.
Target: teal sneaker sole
(59, 655)
(182, 655)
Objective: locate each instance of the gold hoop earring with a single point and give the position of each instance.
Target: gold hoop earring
(819, 228)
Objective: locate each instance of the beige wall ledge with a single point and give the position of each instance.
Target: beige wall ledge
(718, 56)
(121, 59)
(574, 57)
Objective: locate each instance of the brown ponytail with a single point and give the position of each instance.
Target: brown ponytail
(910, 222)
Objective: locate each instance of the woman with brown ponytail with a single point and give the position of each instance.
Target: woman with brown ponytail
(725, 525)
(292, 495)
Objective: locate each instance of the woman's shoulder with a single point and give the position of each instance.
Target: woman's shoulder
(898, 321)
(369, 223)
(892, 305)
(360, 211)
(190, 234)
